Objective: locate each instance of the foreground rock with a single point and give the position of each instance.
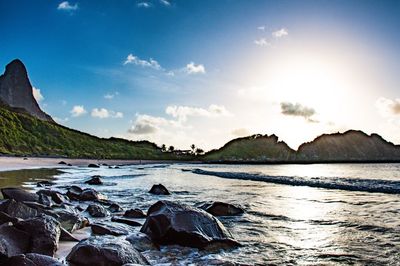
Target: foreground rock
(221, 209)
(32, 259)
(159, 190)
(44, 232)
(94, 180)
(105, 250)
(55, 196)
(96, 210)
(171, 223)
(13, 241)
(108, 229)
(18, 209)
(114, 207)
(134, 213)
(88, 194)
(71, 220)
(141, 242)
(92, 165)
(19, 194)
(125, 221)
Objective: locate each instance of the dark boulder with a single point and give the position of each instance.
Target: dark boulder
(33, 259)
(141, 242)
(96, 210)
(62, 162)
(13, 241)
(134, 213)
(19, 194)
(105, 251)
(107, 229)
(5, 218)
(56, 196)
(71, 220)
(159, 190)
(18, 209)
(92, 165)
(45, 234)
(221, 209)
(74, 192)
(125, 221)
(175, 223)
(89, 194)
(114, 207)
(94, 180)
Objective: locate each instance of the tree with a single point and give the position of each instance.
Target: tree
(199, 151)
(163, 147)
(193, 147)
(171, 148)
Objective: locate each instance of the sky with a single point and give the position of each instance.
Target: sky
(205, 72)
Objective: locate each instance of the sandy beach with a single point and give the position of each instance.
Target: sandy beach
(17, 163)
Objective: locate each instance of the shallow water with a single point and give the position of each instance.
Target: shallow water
(286, 224)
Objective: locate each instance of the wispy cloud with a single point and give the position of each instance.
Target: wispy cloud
(78, 110)
(299, 110)
(262, 28)
(165, 2)
(183, 112)
(280, 33)
(110, 96)
(388, 107)
(262, 42)
(240, 132)
(192, 68)
(66, 6)
(144, 4)
(132, 59)
(147, 124)
(37, 94)
(104, 113)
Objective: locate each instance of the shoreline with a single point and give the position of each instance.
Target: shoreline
(10, 163)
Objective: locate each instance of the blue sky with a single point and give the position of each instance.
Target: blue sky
(204, 72)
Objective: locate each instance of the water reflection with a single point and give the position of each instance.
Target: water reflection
(26, 177)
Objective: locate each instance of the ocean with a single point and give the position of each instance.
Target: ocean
(318, 214)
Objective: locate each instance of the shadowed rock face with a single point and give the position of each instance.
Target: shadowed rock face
(170, 223)
(16, 90)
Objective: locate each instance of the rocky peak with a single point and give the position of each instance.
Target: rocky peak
(16, 90)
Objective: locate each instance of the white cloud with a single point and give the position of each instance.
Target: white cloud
(104, 113)
(388, 108)
(297, 109)
(262, 42)
(262, 28)
(147, 124)
(110, 96)
(165, 2)
(183, 112)
(60, 120)
(192, 68)
(37, 94)
(280, 33)
(78, 110)
(131, 59)
(144, 4)
(240, 132)
(67, 6)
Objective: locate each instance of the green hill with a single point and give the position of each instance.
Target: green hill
(23, 134)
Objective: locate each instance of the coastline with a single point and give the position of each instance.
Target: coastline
(10, 163)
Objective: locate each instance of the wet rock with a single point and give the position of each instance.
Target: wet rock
(62, 162)
(17, 209)
(105, 250)
(125, 221)
(175, 223)
(45, 233)
(221, 209)
(33, 259)
(45, 200)
(94, 180)
(12, 241)
(92, 165)
(114, 207)
(67, 236)
(74, 192)
(56, 196)
(71, 220)
(96, 210)
(5, 218)
(69, 164)
(89, 194)
(159, 190)
(141, 242)
(44, 183)
(135, 213)
(19, 194)
(107, 229)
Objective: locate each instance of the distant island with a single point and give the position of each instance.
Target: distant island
(25, 130)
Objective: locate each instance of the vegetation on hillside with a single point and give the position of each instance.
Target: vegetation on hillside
(22, 134)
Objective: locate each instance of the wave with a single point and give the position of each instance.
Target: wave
(349, 184)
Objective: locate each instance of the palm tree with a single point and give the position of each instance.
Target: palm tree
(193, 147)
(171, 148)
